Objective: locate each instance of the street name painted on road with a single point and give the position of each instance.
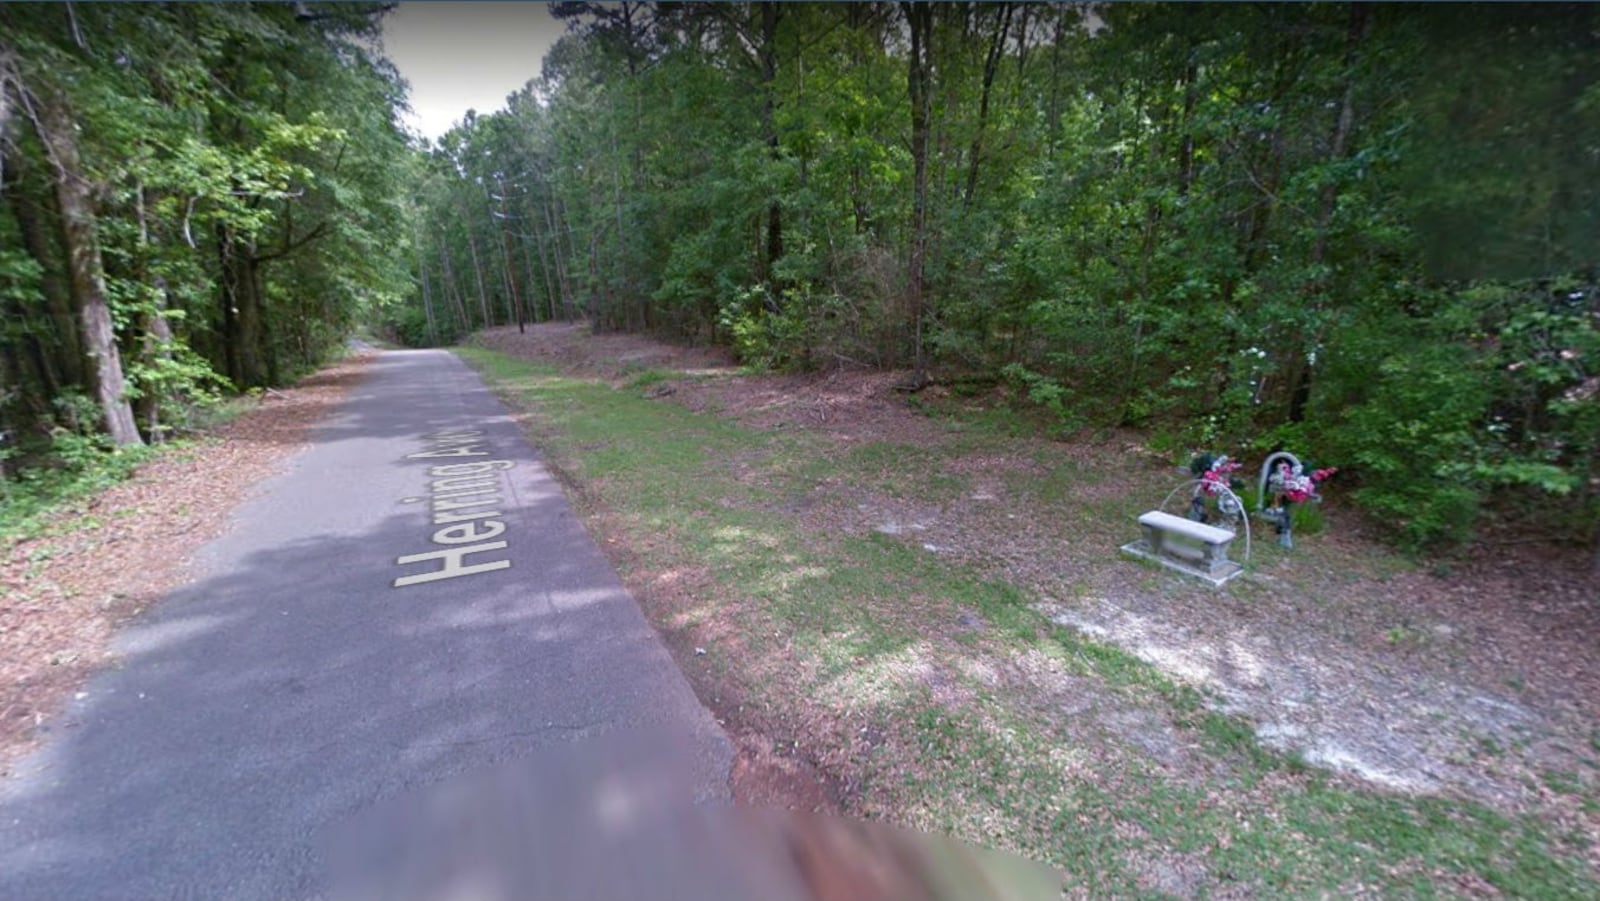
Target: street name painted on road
(463, 498)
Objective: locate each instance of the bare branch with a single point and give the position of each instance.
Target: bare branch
(289, 247)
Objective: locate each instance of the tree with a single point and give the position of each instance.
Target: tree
(46, 110)
(1229, 224)
(180, 211)
(919, 85)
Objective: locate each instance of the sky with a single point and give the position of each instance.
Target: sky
(461, 56)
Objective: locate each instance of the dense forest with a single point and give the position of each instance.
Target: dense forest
(1367, 232)
(197, 199)
(1370, 233)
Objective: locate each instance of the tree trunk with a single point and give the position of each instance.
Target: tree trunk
(1191, 71)
(770, 13)
(991, 65)
(45, 248)
(7, 380)
(594, 283)
(617, 273)
(58, 132)
(1053, 141)
(1338, 147)
(157, 345)
(544, 262)
(427, 291)
(510, 261)
(452, 288)
(564, 225)
(531, 286)
(157, 351)
(563, 284)
(919, 16)
(477, 271)
(241, 309)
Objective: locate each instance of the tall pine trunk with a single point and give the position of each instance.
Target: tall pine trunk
(563, 281)
(477, 271)
(991, 66)
(770, 13)
(157, 349)
(919, 16)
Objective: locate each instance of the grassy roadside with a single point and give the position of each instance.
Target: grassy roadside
(942, 700)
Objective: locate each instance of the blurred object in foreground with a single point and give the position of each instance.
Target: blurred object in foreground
(615, 817)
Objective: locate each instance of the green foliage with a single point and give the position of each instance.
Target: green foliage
(411, 327)
(245, 165)
(1046, 392)
(761, 337)
(1367, 229)
(85, 465)
(1413, 443)
(1487, 398)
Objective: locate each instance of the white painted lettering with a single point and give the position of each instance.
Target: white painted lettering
(472, 531)
(469, 469)
(465, 450)
(454, 563)
(463, 483)
(464, 486)
(443, 518)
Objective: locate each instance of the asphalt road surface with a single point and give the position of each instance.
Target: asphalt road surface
(405, 651)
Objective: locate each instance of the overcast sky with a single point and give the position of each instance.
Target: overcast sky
(461, 56)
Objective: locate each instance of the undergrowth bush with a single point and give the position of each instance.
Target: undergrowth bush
(85, 468)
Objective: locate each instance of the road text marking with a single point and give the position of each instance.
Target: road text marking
(457, 497)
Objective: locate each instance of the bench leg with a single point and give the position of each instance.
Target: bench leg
(1216, 556)
(1152, 537)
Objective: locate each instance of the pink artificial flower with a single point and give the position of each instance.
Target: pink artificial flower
(1216, 477)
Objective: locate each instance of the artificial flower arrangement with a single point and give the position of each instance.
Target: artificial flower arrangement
(1289, 483)
(1292, 484)
(1214, 479)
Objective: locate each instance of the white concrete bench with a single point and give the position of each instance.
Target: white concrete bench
(1186, 545)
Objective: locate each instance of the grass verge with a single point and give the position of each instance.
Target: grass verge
(943, 701)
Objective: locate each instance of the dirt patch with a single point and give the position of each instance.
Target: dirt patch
(63, 595)
(1479, 681)
(849, 406)
(762, 777)
(609, 356)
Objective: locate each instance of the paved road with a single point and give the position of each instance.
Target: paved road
(310, 680)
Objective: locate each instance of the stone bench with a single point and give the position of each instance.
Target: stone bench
(1186, 546)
